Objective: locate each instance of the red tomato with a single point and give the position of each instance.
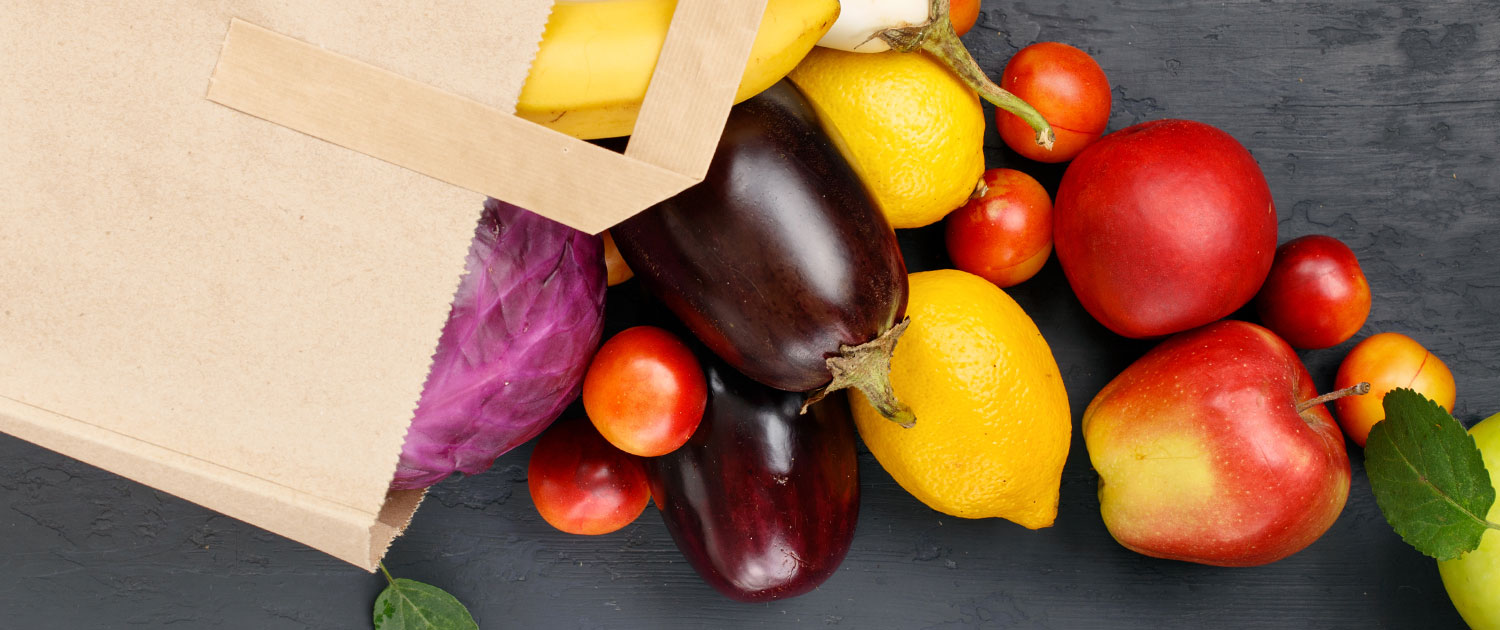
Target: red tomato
(1004, 236)
(583, 485)
(963, 14)
(645, 391)
(1070, 90)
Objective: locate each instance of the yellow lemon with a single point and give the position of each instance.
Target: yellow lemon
(912, 130)
(993, 424)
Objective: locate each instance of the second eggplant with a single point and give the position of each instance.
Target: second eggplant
(779, 261)
(762, 501)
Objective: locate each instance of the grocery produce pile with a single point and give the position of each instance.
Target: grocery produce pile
(777, 321)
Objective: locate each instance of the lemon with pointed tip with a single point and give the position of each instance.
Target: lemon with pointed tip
(993, 424)
(911, 128)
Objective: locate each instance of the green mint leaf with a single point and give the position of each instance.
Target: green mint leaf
(1428, 476)
(412, 605)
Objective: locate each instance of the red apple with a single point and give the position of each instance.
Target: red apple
(1164, 226)
(1316, 296)
(1207, 453)
(1005, 235)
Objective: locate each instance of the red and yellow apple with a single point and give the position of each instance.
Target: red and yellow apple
(1164, 226)
(1207, 452)
(1316, 296)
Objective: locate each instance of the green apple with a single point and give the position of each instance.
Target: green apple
(1473, 581)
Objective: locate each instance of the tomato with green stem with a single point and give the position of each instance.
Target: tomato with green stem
(582, 484)
(645, 391)
(1070, 90)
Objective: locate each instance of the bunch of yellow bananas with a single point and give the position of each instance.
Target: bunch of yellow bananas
(596, 59)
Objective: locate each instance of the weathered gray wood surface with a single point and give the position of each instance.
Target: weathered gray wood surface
(1375, 121)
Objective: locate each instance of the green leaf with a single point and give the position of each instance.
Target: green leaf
(1428, 476)
(412, 605)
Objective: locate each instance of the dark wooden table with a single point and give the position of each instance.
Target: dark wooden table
(1375, 121)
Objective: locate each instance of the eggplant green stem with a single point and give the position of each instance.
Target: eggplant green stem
(938, 38)
(1358, 389)
(867, 368)
(388, 577)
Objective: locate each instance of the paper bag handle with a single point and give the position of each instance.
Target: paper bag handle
(480, 148)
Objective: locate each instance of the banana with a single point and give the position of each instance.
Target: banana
(596, 59)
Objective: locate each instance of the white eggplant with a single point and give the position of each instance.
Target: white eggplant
(861, 22)
(873, 26)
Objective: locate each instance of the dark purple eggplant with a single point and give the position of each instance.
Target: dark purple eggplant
(761, 500)
(779, 261)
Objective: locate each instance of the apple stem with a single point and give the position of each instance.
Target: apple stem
(1353, 390)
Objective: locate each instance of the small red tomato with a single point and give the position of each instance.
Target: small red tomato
(1315, 296)
(581, 484)
(1387, 361)
(963, 14)
(1070, 90)
(645, 391)
(1005, 235)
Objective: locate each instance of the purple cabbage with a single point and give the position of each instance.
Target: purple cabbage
(525, 322)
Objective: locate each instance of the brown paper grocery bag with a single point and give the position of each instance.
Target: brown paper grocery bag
(230, 231)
